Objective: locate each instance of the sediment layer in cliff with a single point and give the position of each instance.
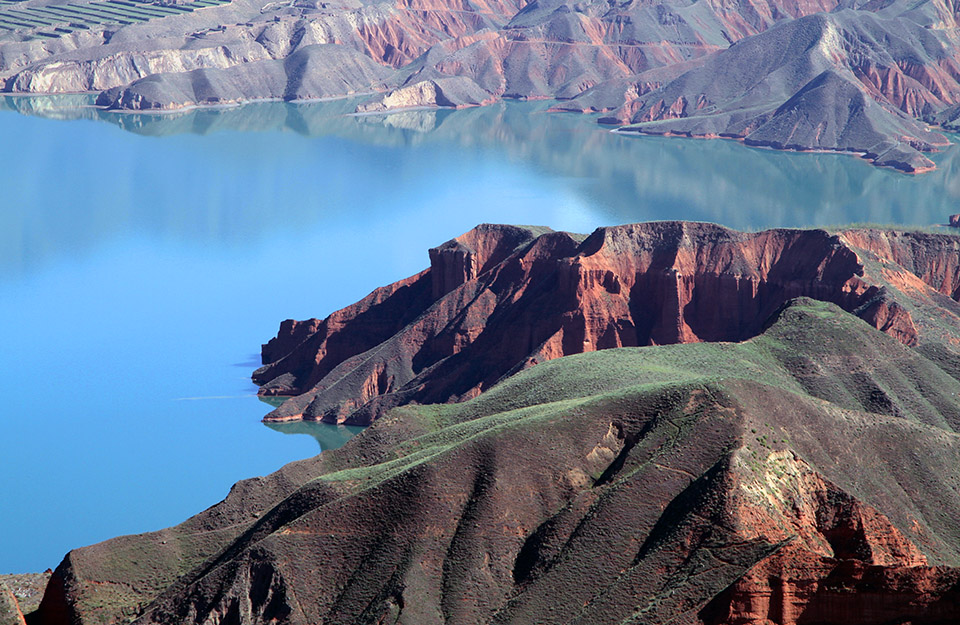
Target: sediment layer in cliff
(500, 299)
(804, 475)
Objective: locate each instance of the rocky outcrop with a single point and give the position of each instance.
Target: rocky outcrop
(114, 65)
(802, 476)
(306, 74)
(954, 221)
(501, 298)
(454, 92)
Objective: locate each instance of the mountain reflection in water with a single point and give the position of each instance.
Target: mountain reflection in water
(627, 178)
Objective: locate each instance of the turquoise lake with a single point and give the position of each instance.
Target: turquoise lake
(143, 260)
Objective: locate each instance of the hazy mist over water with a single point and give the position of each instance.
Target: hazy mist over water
(144, 259)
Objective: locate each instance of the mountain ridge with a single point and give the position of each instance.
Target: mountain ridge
(706, 482)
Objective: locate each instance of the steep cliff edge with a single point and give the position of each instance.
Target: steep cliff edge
(804, 475)
(501, 298)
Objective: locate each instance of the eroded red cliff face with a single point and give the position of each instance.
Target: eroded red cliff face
(305, 351)
(789, 591)
(933, 258)
(839, 560)
(502, 298)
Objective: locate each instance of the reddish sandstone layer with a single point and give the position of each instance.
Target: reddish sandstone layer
(840, 560)
(502, 298)
(788, 591)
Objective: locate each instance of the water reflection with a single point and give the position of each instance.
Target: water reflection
(327, 435)
(627, 178)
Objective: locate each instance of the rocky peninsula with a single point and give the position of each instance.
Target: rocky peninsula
(500, 299)
(655, 423)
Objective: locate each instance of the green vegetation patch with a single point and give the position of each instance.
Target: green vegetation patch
(587, 454)
(30, 16)
(813, 349)
(17, 23)
(65, 15)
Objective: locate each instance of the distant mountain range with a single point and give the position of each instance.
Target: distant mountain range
(863, 77)
(656, 423)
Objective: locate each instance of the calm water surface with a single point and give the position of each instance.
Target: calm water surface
(144, 259)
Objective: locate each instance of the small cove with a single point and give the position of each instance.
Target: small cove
(143, 259)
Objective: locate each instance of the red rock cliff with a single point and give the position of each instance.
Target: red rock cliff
(840, 560)
(501, 298)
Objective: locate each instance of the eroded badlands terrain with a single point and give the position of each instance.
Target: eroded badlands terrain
(864, 77)
(499, 299)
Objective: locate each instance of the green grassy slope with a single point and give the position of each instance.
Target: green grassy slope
(605, 487)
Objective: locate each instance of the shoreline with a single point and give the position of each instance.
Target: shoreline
(626, 131)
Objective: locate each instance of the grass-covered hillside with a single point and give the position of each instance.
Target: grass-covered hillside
(801, 472)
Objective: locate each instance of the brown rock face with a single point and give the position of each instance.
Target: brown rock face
(502, 298)
(841, 560)
(955, 221)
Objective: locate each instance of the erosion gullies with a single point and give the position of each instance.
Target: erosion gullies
(229, 37)
(819, 82)
(553, 48)
(500, 299)
(803, 475)
(849, 76)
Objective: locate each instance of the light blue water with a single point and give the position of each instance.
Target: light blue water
(143, 261)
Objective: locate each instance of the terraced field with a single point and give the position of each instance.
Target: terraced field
(56, 20)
